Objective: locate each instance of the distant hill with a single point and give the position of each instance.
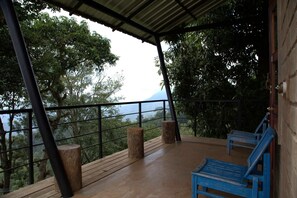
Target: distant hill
(160, 95)
(133, 109)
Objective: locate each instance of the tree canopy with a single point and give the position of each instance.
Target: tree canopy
(59, 45)
(227, 62)
(56, 45)
(11, 83)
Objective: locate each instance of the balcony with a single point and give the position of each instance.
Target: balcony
(163, 172)
(104, 139)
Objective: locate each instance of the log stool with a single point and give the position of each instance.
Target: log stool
(135, 142)
(71, 159)
(168, 132)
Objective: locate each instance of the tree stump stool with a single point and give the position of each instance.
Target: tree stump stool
(168, 132)
(71, 159)
(135, 142)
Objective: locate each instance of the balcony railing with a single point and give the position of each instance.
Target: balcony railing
(100, 129)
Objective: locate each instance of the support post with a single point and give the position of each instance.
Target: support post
(168, 132)
(135, 142)
(71, 159)
(34, 95)
(167, 87)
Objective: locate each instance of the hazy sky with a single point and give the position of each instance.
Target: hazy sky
(136, 64)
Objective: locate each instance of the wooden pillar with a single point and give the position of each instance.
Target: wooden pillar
(168, 132)
(71, 159)
(135, 142)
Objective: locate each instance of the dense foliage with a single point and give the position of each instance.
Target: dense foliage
(11, 83)
(227, 62)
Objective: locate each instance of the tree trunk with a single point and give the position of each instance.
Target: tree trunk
(43, 172)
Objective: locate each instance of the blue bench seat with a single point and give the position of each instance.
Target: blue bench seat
(227, 172)
(246, 139)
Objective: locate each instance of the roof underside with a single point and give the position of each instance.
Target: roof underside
(143, 19)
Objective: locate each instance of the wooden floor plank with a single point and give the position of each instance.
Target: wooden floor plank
(30, 189)
(105, 163)
(91, 172)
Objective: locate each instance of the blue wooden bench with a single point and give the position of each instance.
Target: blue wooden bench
(246, 139)
(251, 181)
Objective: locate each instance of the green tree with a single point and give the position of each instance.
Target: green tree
(65, 57)
(88, 86)
(62, 51)
(12, 91)
(222, 63)
(10, 74)
(58, 45)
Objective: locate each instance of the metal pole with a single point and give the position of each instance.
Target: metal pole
(164, 110)
(167, 87)
(30, 152)
(139, 115)
(35, 98)
(100, 132)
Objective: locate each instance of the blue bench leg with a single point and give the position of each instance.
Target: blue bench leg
(194, 187)
(255, 187)
(266, 183)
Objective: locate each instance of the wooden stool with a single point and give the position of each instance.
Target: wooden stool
(71, 159)
(168, 132)
(135, 142)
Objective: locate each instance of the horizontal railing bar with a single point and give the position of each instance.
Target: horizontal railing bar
(102, 104)
(79, 106)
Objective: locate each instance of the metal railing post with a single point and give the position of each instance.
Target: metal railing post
(139, 115)
(30, 149)
(100, 132)
(164, 110)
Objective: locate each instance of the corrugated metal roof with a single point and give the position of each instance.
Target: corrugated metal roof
(142, 19)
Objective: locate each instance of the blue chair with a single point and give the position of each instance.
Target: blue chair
(246, 139)
(246, 181)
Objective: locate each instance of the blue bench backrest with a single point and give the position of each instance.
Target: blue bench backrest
(258, 151)
(263, 124)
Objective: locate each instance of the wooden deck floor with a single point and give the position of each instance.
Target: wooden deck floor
(164, 172)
